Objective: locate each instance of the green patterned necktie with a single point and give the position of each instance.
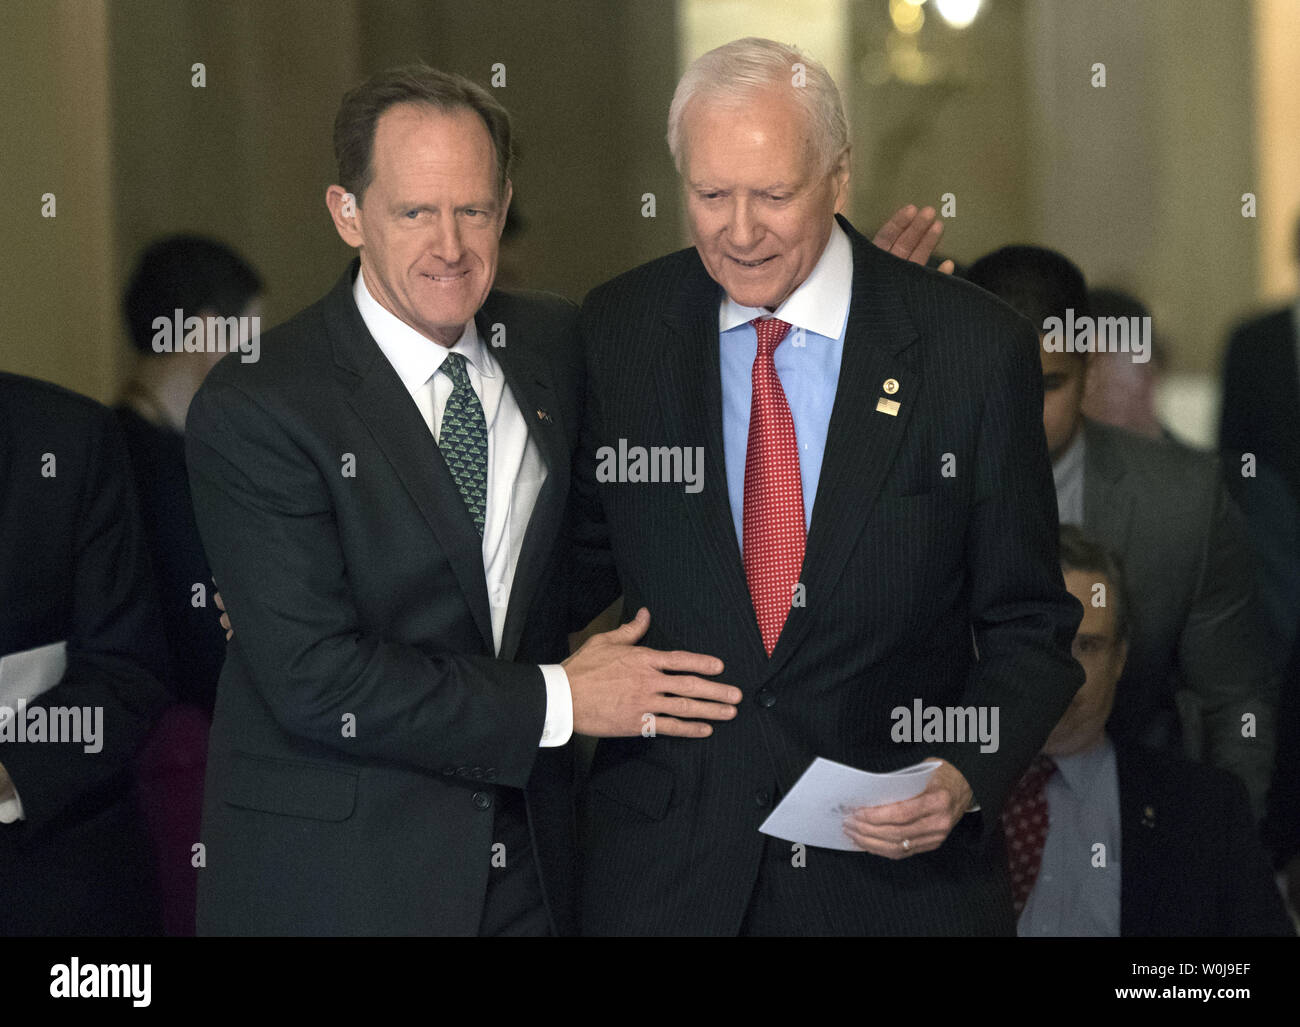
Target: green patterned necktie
(464, 441)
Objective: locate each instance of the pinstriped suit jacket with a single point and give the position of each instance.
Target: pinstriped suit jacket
(904, 562)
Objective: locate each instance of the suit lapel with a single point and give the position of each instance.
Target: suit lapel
(860, 441)
(690, 396)
(381, 401)
(1139, 812)
(537, 404)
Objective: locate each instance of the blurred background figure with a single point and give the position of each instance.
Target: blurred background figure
(1261, 389)
(74, 855)
(203, 278)
(1109, 839)
(1198, 659)
(1120, 390)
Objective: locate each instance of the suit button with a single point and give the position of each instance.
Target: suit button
(490, 773)
(762, 798)
(766, 698)
(482, 800)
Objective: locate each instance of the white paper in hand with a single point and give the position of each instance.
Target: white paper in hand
(25, 675)
(813, 811)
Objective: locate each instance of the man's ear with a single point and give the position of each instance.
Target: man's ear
(506, 197)
(345, 212)
(841, 173)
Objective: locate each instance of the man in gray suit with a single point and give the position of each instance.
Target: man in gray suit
(1198, 646)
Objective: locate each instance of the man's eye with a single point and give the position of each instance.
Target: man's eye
(778, 198)
(411, 215)
(476, 213)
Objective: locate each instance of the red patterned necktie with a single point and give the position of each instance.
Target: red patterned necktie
(1025, 822)
(773, 526)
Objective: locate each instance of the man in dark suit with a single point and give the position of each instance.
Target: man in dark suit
(848, 511)
(1198, 634)
(1106, 838)
(381, 498)
(1261, 389)
(74, 856)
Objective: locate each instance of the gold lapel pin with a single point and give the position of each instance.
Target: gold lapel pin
(887, 406)
(1149, 817)
(544, 417)
(891, 385)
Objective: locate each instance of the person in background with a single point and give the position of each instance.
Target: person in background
(206, 279)
(1108, 839)
(1200, 676)
(74, 855)
(1261, 389)
(1119, 390)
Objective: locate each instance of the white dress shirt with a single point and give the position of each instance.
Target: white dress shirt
(515, 471)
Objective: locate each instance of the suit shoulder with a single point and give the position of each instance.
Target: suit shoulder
(534, 302)
(33, 405)
(1207, 792)
(1263, 330)
(1189, 471)
(654, 282)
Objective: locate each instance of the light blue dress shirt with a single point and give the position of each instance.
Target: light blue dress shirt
(807, 362)
(1072, 897)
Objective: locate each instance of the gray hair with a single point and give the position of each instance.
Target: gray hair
(737, 70)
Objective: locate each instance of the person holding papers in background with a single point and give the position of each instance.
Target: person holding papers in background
(74, 857)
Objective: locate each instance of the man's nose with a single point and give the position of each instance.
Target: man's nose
(446, 243)
(743, 228)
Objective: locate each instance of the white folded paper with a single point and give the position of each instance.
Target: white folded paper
(813, 811)
(25, 675)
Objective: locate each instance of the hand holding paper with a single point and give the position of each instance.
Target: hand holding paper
(923, 822)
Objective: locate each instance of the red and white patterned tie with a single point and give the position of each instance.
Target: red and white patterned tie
(773, 526)
(1025, 822)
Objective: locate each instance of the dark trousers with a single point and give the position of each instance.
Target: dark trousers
(514, 906)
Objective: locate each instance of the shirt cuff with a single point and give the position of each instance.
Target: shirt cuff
(558, 728)
(11, 807)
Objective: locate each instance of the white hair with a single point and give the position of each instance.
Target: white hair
(736, 71)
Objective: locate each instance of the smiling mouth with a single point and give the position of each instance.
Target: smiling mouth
(751, 263)
(444, 279)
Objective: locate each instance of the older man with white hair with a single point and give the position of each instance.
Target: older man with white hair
(876, 495)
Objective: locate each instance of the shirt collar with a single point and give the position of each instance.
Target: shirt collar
(821, 302)
(1069, 467)
(414, 357)
(1081, 771)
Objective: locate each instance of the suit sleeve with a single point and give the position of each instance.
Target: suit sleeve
(1250, 904)
(1224, 654)
(268, 525)
(1236, 413)
(114, 650)
(595, 582)
(1022, 616)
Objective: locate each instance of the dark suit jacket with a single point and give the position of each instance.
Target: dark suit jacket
(1261, 393)
(361, 599)
(1196, 622)
(1190, 856)
(73, 567)
(902, 564)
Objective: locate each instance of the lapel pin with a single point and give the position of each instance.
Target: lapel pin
(1149, 817)
(887, 406)
(544, 417)
(891, 385)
